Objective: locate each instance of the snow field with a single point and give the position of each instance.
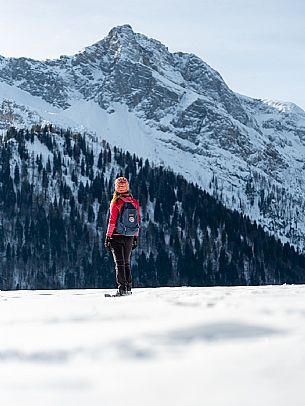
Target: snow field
(167, 346)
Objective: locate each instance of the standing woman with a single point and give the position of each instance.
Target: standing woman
(122, 233)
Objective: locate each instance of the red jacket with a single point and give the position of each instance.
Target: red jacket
(115, 209)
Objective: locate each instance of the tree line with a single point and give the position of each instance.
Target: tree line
(55, 189)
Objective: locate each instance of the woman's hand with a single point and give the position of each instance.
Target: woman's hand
(134, 243)
(107, 244)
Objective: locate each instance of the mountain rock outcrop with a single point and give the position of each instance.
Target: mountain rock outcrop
(174, 109)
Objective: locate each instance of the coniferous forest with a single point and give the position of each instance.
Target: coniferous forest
(55, 189)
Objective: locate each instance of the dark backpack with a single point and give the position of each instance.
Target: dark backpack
(128, 222)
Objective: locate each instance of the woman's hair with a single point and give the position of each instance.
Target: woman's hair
(115, 197)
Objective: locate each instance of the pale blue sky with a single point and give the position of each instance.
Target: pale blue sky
(256, 45)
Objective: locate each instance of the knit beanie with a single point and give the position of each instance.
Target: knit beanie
(121, 185)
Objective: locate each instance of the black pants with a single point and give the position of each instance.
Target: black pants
(121, 251)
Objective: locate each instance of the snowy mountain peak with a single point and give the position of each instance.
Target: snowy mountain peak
(121, 30)
(121, 36)
(285, 107)
(172, 108)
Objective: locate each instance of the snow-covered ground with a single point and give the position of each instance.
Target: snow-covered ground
(238, 346)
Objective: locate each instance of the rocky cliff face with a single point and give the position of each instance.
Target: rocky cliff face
(176, 110)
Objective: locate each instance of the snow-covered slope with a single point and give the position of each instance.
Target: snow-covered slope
(169, 346)
(174, 109)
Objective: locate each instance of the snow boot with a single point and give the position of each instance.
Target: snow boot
(120, 292)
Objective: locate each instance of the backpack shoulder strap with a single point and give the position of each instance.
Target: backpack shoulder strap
(121, 209)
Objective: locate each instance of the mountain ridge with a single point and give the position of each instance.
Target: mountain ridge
(174, 109)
